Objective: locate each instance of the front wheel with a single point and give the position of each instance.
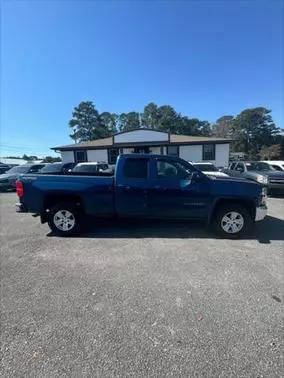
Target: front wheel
(232, 221)
(64, 219)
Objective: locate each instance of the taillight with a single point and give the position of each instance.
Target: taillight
(19, 188)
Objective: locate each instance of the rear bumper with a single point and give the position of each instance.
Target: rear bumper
(261, 213)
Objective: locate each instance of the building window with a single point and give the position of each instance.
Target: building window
(80, 156)
(173, 151)
(112, 155)
(208, 151)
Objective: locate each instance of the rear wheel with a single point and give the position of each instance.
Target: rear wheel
(64, 219)
(232, 221)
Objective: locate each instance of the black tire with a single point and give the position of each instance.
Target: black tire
(220, 222)
(70, 219)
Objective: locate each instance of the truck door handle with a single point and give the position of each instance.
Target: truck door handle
(126, 187)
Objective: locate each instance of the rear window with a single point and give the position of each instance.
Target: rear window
(136, 168)
(52, 168)
(86, 168)
(19, 169)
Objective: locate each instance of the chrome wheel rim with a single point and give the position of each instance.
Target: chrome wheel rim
(232, 222)
(64, 220)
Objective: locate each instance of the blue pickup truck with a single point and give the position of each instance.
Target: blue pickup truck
(144, 186)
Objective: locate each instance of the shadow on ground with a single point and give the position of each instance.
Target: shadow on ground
(270, 229)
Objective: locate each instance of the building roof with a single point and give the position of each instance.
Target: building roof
(172, 139)
(175, 138)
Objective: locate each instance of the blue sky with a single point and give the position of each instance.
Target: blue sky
(205, 58)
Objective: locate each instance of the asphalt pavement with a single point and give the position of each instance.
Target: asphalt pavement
(140, 299)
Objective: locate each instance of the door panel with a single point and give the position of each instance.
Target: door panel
(176, 196)
(131, 193)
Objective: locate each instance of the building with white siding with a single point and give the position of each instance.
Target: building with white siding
(190, 148)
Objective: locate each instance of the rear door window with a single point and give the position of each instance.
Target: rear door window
(136, 168)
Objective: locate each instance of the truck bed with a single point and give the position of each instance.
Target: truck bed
(95, 192)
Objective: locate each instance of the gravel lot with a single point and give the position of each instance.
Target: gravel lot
(140, 299)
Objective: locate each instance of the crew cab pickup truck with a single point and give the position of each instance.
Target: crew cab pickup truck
(144, 186)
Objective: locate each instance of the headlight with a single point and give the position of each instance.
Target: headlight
(262, 179)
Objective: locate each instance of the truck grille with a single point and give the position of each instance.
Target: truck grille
(276, 181)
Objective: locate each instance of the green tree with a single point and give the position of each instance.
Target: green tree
(87, 123)
(282, 147)
(110, 122)
(270, 153)
(150, 116)
(51, 159)
(168, 119)
(205, 128)
(252, 129)
(193, 126)
(223, 127)
(29, 158)
(129, 121)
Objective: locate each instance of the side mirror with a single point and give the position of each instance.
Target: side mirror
(196, 177)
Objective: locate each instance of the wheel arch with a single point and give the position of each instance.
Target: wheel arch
(248, 204)
(55, 199)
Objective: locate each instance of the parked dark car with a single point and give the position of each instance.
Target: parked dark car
(144, 186)
(57, 168)
(4, 168)
(260, 172)
(8, 179)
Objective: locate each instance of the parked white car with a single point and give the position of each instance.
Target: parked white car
(209, 169)
(95, 168)
(276, 164)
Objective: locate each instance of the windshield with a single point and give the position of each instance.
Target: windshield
(52, 168)
(19, 169)
(86, 168)
(206, 167)
(258, 166)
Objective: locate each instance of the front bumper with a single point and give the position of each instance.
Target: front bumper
(261, 212)
(5, 186)
(276, 186)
